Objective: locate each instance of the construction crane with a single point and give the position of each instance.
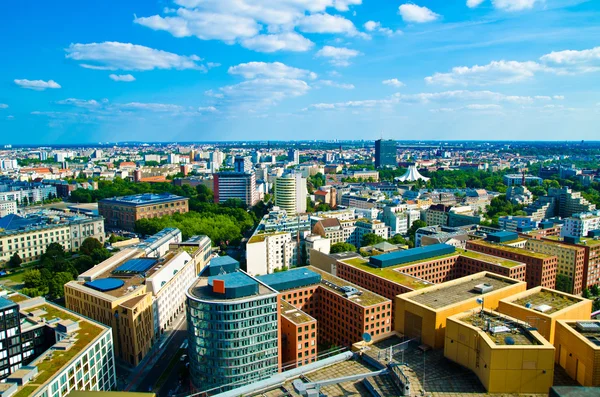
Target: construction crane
(313, 389)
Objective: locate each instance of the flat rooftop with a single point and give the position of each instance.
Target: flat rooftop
(202, 290)
(451, 293)
(339, 370)
(144, 199)
(388, 273)
(131, 281)
(501, 330)
(366, 297)
(51, 361)
(553, 300)
(490, 258)
(520, 251)
(293, 314)
(588, 329)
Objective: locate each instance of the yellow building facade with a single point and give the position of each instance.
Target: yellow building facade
(542, 307)
(578, 350)
(513, 361)
(423, 313)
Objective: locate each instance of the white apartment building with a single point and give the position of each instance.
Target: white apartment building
(176, 273)
(267, 252)
(8, 164)
(579, 225)
(32, 195)
(318, 243)
(400, 218)
(290, 193)
(7, 207)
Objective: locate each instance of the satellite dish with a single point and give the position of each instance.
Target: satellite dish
(479, 300)
(367, 337)
(509, 340)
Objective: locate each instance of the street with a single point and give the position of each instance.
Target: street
(155, 376)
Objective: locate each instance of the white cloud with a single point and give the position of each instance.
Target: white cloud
(334, 84)
(572, 61)
(507, 72)
(203, 25)
(558, 97)
(338, 56)
(327, 23)
(416, 14)
(290, 41)
(208, 109)
(496, 72)
(484, 106)
(474, 3)
(446, 97)
(393, 83)
(126, 56)
(265, 92)
(81, 103)
(37, 85)
(122, 77)
(253, 70)
(375, 27)
(241, 21)
(213, 94)
(515, 5)
(10, 117)
(3, 106)
(212, 65)
(152, 107)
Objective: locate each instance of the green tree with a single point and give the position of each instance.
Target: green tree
(205, 195)
(595, 290)
(398, 239)
(57, 284)
(100, 255)
(90, 244)
(342, 247)
(33, 279)
(416, 226)
(586, 293)
(83, 263)
(563, 283)
(371, 239)
(15, 260)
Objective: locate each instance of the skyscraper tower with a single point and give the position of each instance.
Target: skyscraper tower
(385, 153)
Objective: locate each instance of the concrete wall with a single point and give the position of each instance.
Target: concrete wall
(501, 368)
(579, 357)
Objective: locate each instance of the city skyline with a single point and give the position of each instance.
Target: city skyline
(342, 69)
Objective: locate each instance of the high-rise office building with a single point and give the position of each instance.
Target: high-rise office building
(291, 193)
(294, 156)
(242, 164)
(385, 153)
(233, 328)
(235, 185)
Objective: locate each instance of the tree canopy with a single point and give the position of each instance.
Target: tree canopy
(342, 247)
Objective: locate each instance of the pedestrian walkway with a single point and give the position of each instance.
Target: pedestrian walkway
(141, 371)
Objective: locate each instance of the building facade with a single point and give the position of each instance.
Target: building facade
(235, 185)
(290, 193)
(29, 236)
(123, 212)
(385, 153)
(233, 331)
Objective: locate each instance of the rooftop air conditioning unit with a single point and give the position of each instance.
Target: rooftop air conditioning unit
(587, 326)
(483, 288)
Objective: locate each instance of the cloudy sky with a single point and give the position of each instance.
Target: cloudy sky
(197, 70)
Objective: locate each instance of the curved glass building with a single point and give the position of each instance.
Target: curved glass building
(232, 331)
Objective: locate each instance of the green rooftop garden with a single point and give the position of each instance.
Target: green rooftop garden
(49, 363)
(388, 273)
(490, 258)
(515, 250)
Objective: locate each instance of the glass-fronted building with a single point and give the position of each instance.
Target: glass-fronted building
(385, 153)
(232, 331)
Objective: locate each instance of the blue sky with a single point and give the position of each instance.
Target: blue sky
(195, 70)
